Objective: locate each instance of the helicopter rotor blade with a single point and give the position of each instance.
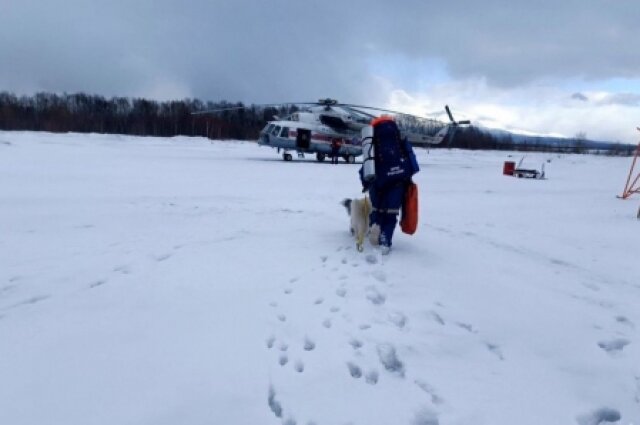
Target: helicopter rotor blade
(446, 108)
(360, 112)
(464, 122)
(257, 105)
(212, 111)
(380, 109)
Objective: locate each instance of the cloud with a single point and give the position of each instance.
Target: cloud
(249, 49)
(627, 99)
(580, 96)
(504, 55)
(530, 109)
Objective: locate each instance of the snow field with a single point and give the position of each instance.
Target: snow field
(177, 280)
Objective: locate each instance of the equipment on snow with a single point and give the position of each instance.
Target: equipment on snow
(395, 160)
(368, 162)
(409, 219)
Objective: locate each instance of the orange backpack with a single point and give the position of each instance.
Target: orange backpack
(409, 220)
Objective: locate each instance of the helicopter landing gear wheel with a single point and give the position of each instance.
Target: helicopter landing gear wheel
(320, 157)
(287, 156)
(350, 159)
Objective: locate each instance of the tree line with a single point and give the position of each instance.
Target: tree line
(475, 138)
(85, 113)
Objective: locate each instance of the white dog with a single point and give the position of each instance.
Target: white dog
(359, 210)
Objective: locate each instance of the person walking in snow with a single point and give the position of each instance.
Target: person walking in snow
(395, 163)
(335, 150)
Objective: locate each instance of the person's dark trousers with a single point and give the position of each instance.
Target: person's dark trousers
(386, 204)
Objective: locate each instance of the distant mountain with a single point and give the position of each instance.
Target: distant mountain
(553, 142)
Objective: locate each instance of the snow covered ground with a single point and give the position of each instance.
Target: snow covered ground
(179, 281)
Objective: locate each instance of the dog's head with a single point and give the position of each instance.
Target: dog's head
(347, 204)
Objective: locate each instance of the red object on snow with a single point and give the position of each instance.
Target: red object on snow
(508, 168)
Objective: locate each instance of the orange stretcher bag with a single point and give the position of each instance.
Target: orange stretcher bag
(409, 220)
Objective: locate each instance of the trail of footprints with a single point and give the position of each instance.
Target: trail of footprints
(336, 297)
(330, 305)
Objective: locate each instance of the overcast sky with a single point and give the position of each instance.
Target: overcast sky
(550, 67)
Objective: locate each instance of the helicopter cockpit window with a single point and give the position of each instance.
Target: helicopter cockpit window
(276, 130)
(284, 132)
(268, 128)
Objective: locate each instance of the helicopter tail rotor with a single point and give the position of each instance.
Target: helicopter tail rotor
(453, 126)
(453, 121)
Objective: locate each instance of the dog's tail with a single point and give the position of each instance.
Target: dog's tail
(347, 204)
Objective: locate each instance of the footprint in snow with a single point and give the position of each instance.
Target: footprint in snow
(124, 269)
(591, 286)
(274, 405)
(318, 301)
(437, 318)
(97, 283)
(299, 366)
(288, 291)
(379, 275)
(466, 326)
(371, 377)
(309, 345)
(84, 226)
(282, 317)
(341, 292)
(495, 350)
(270, 341)
(371, 259)
(273, 304)
(398, 319)
(599, 416)
(284, 346)
(389, 359)
(364, 326)
(163, 257)
(7, 288)
(425, 416)
(326, 323)
(375, 296)
(424, 386)
(355, 343)
(283, 360)
(334, 309)
(293, 280)
(32, 300)
(614, 345)
(624, 321)
(354, 370)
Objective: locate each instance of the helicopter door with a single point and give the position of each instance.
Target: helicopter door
(303, 138)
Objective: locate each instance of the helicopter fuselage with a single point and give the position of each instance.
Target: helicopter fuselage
(303, 134)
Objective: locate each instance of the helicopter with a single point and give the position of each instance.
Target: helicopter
(320, 127)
